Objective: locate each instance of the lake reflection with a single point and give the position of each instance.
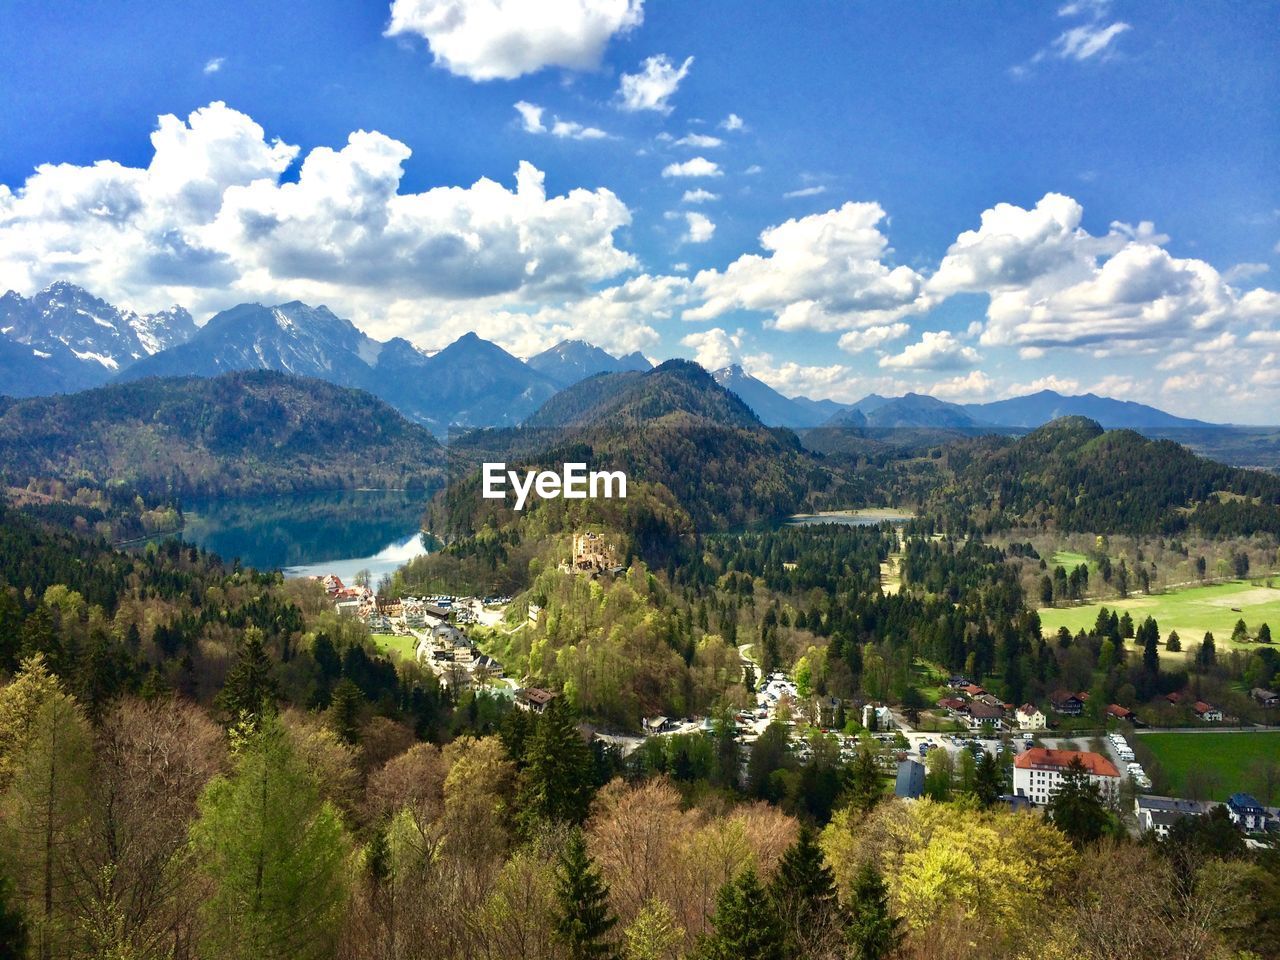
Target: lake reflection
(310, 534)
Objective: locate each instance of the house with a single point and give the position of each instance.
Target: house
(1121, 713)
(1067, 703)
(983, 714)
(1159, 814)
(1038, 772)
(953, 705)
(1207, 712)
(910, 780)
(656, 725)
(959, 682)
(1267, 699)
(534, 699)
(1029, 717)
(973, 690)
(877, 718)
(1177, 696)
(1247, 813)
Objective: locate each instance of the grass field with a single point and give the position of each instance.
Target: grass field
(1191, 611)
(1220, 762)
(403, 646)
(1069, 560)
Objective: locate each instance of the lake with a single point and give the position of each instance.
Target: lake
(311, 534)
(853, 518)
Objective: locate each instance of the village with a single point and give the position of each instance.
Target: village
(1026, 739)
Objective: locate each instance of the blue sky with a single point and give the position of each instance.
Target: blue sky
(971, 200)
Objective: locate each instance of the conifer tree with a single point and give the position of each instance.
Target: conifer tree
(250, 688)
(746, 924)
(864, 788)
(558, 775)
(803, 891)
(872, 932)
(988, 780)
(584, 920)
(1077, 808)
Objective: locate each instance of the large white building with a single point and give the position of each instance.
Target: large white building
(1038, 772)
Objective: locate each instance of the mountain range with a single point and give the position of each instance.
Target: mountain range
(64, 339)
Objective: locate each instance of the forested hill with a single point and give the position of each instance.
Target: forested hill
(632, 399)
(1073, 475)
(249, 432)
(674, 430)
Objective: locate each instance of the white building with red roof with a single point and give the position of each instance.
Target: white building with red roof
(1038, 772)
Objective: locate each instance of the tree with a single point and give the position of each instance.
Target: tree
(559, 771)
(654, 934)
(1240, 632)
(872, 932)
(803, 892)
(1173, 643)
(1264, 634)
(912, 702)
(988, 780)
(42, 815)
(864, 788)
(345, 709)
(13, 928)
(273, 851)
(1077, 808)
(746, 925)
(584, 920)
(250, 688)
(768, 755)
(1046, 590)
(1207, 655)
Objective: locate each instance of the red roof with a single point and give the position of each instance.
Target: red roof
(973, 690)
(1118, 711)
(1042, 758)
(1202, 707)
(951, 703)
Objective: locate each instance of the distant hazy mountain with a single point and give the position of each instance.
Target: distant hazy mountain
(570, 361)
(915, 410)
(471, 382)
(64, 339)
(773, 409)
(1040, 408)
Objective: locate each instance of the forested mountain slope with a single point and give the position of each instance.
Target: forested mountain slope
(237, 433)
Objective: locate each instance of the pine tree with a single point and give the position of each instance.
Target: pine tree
(864, 788)
(988, 780)
(1077, 808)
(584, 919)
(746, 925)
(872, 932)
(250, 688)
(803, 891)
(558, 775)
(654, 934)
(345, 708)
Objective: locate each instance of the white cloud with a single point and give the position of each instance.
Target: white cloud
(530, 116)
(732, 122)
(1051, 283)
(576, 131)
(700, 140)
(214, 64)
(1064, 385)
(700, 228)
(1243, 271)
(805, 192)
(654, 85)
(755, 168)
(856, 341)
(699, 196)
(714, 348)
(821, 272)
(966, 388)
(800, 380)
(697, 167)
(505, 39)
(1088, 40)
(531, 122)
(936, 350)
(210, 222)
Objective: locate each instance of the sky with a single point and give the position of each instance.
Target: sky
(972, 200)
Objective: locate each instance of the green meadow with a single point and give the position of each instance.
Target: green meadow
(1191, 611)
(1222, 762)
(391, 643)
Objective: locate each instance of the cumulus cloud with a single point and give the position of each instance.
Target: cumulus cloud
(214, 64)
(1064, 385)
(531, 122)
(505, 39)
(700, 140)
(856, 341)
(791, 379)
(714, 348)
(700, 228)
(699, 196)
(732, 122)
(1052, 283)
(212, 221)
(821, 272)
(974, 385)
(697, 167)
(936, 350)
(654, 85)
